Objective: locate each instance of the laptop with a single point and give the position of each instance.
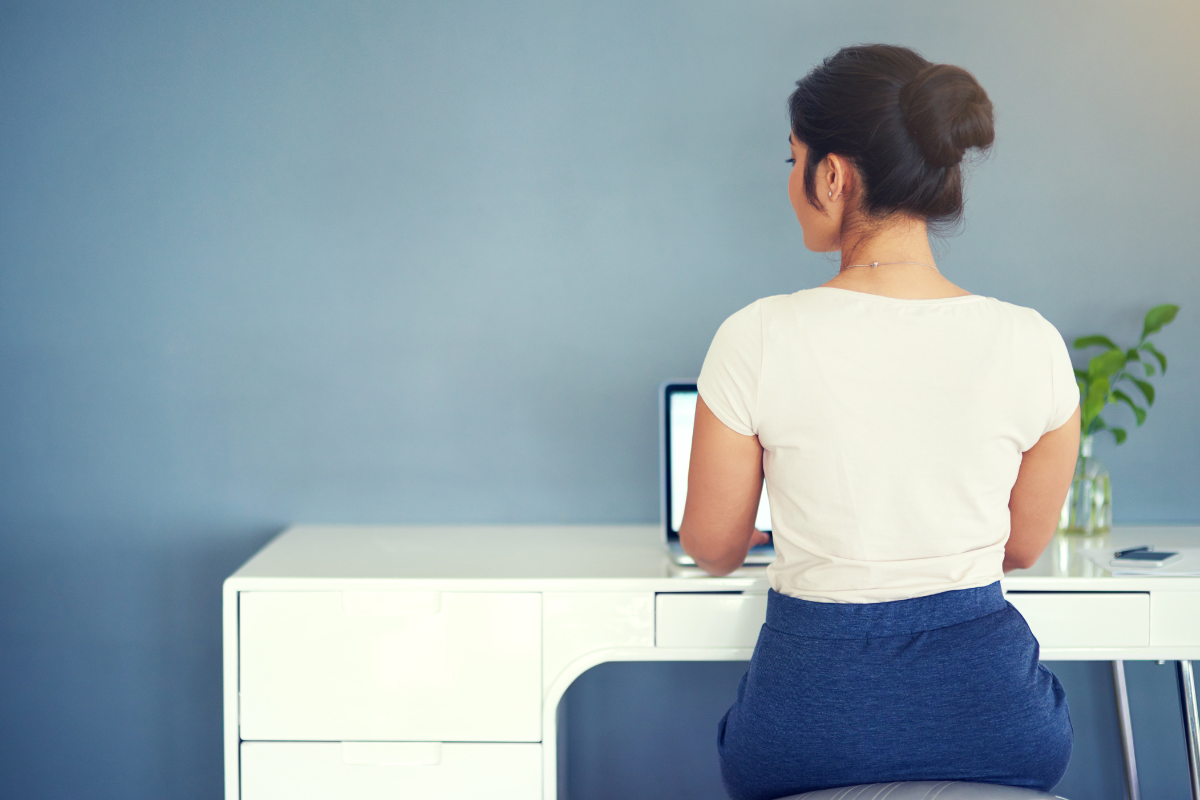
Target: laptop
(676, 415)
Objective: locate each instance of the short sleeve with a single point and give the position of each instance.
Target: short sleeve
(729, 378)
(1064, 391)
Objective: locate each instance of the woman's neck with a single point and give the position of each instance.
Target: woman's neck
(904, 240)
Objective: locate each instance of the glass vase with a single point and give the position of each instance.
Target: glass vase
(1088, 507)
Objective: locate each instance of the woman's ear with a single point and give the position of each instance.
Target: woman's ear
(840, 177)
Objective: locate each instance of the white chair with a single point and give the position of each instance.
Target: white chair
(925, 790)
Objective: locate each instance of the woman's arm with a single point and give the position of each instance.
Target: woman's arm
(725, 480)
(1037, 497)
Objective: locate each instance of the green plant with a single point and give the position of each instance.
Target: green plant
(1099, 383)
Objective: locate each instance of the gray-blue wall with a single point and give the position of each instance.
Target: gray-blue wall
(426, 262)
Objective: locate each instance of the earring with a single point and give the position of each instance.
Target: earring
(831, 192)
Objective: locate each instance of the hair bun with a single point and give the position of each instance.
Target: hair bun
(946, 112)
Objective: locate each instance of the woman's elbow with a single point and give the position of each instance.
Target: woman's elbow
(713, 560)
(1018, 561)
(717, 569)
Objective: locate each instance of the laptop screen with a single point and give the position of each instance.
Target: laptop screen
(679, 408)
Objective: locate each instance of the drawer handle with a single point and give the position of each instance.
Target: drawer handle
(392, 754)
(391, 604)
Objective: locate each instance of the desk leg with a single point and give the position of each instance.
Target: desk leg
(1191, 721)
(1132, 792)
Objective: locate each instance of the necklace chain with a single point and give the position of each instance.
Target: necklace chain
(886, 263)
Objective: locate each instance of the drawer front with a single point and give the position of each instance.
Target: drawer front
(708, 620)
(1175, 619)
(1086, 619)
(408, 666)
(390, 771)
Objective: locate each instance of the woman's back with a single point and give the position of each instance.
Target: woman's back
(892, 432)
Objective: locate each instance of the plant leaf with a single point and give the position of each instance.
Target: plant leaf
(1147, 390)
(1132, 355)
(1092, 341)
(1081, 373)
(1107, 363)
(1119, 434)
(1097, 396)
(1138, 412)
(1149, 368)
(1162, 360)
(1157, 317)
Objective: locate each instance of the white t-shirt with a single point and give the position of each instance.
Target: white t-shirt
(892, 432)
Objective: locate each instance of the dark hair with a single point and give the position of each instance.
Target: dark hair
(903, 122)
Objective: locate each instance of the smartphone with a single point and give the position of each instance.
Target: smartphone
(1145, 558)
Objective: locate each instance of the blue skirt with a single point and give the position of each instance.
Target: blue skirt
(944, 687)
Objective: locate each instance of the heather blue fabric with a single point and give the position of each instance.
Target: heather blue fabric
(944, 687)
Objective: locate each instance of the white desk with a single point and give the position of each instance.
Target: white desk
(373, 662)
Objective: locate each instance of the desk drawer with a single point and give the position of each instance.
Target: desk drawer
(407, 666)
(1086, 619)
(390, 770)
(728, 619)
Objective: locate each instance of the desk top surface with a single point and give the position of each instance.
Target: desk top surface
(612, 557)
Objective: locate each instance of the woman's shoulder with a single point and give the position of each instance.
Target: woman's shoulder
(1026, 315)
(749, 320)
(805, 298)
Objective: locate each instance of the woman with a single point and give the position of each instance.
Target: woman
(917, 442)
